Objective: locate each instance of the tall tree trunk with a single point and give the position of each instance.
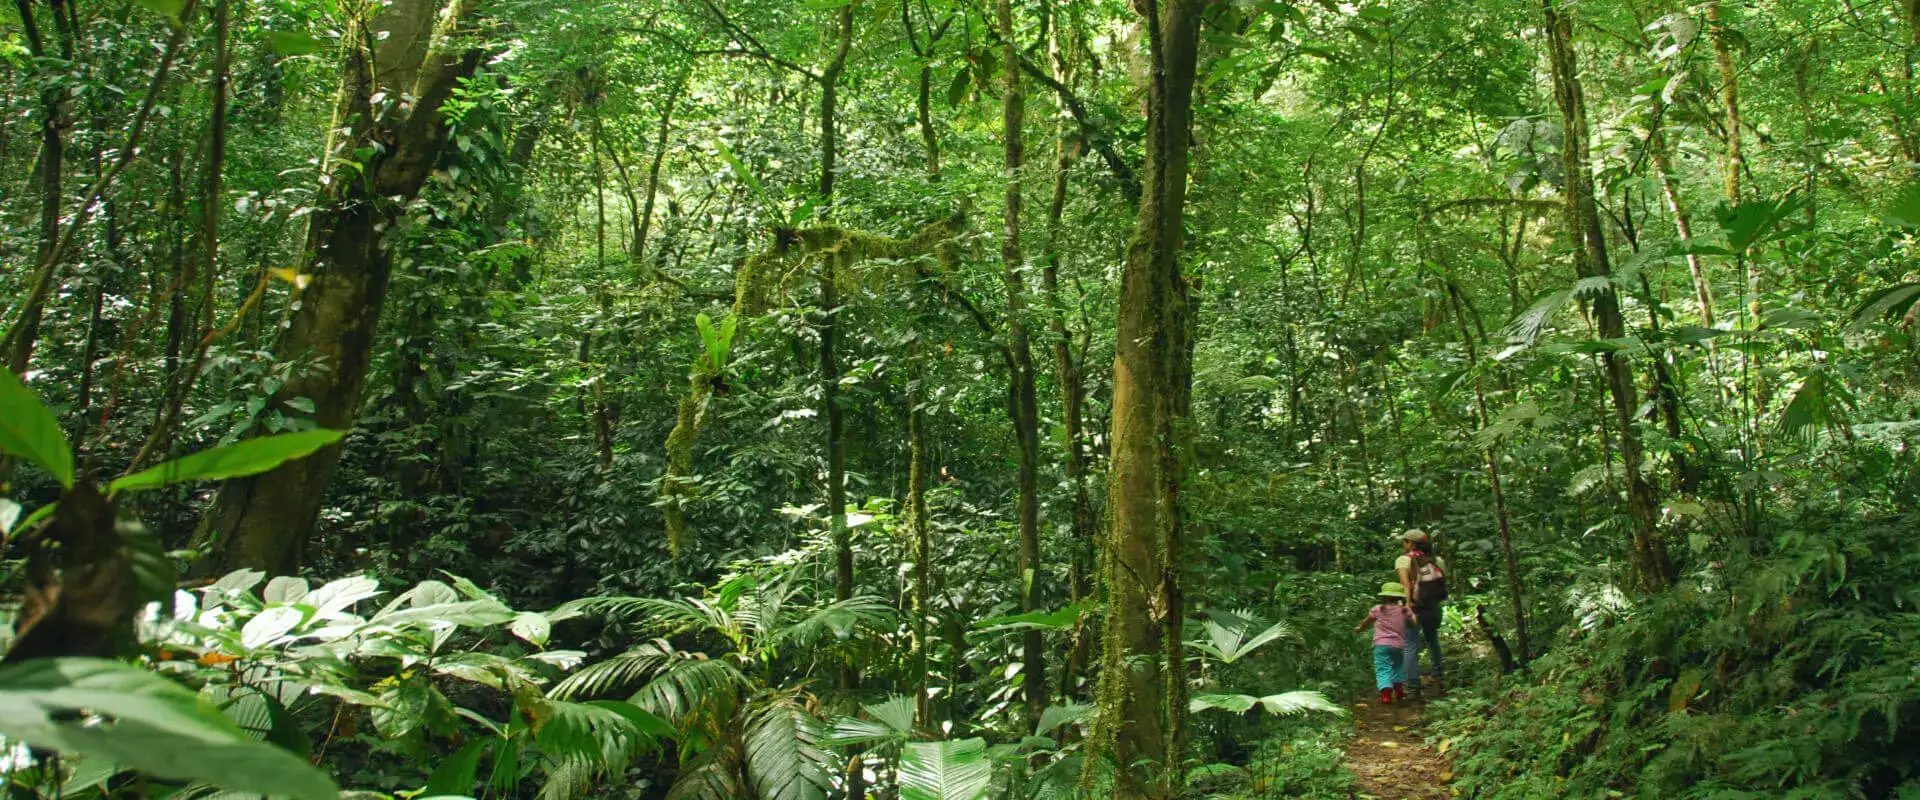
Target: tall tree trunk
(830, 264)
(1514, 594)
(264, 521)
(1022, 402)
(1682, 221)
(1590, 260)
(1067, 374)
(920, 527)
(1143, 682)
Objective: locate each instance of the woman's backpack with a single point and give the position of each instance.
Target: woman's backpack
(1432, 579)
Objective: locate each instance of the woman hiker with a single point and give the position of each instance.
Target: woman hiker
(1423, 576)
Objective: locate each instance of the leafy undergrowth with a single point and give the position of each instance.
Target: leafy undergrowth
(1297, 758)
(1790, 674)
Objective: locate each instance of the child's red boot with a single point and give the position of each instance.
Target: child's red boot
(1399, 691)
(1386, 697)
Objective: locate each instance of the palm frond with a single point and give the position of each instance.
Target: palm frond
(783, 757)
(1526, 328)
(667, 614)
(691, 685)
(713, 774)
(839, 620)
(616, 673)
(1288, 704)
(956, 770)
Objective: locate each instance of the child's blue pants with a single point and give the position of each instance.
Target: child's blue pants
(1389, 665)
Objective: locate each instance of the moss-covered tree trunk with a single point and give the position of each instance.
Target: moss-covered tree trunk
(1142, 698)
(1590, 260)
(263, 522)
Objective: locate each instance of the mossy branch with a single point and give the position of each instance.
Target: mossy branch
(763, 279)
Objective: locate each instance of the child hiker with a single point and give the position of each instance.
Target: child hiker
(1390, 620)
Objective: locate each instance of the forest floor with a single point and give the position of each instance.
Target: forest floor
(1389, 754)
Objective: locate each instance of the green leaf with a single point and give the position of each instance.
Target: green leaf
(240, 459)
(945, 770)
(1044, 620)
(532, 627)
(28, 430)
(746, 176)
(1905, 209)
(456, 774)
(155, 726)
(170, 8)
(1891, 303)
(293, 43)
(1060, 714)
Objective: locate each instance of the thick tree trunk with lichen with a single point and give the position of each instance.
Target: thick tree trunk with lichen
(1590, 260)
(1142, 698)
(263, 521)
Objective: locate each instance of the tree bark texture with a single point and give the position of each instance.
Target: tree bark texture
(1142, 696)
(263, 522)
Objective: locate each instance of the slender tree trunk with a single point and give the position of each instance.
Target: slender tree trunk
(830, 264)
(1682, 221)
(1590, 260)
(920, 527)
(1067, 374)
(52, 162)
(1023, 403)
(1143, 682)
(1514, 594)
(264, 521)
(653, 170)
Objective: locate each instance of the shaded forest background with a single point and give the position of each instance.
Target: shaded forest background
(680, 315)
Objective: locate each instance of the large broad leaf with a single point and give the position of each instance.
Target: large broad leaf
(240, 459)
(151, 724)
(1043, 620)
(1279, 705)
(29, 431)
(945, 770)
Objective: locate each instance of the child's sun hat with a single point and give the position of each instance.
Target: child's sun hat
(1393, 589)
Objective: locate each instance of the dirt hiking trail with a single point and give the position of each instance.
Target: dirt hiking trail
(1389, 754)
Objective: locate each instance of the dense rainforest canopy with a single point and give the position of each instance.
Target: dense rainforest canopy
(959, 398)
